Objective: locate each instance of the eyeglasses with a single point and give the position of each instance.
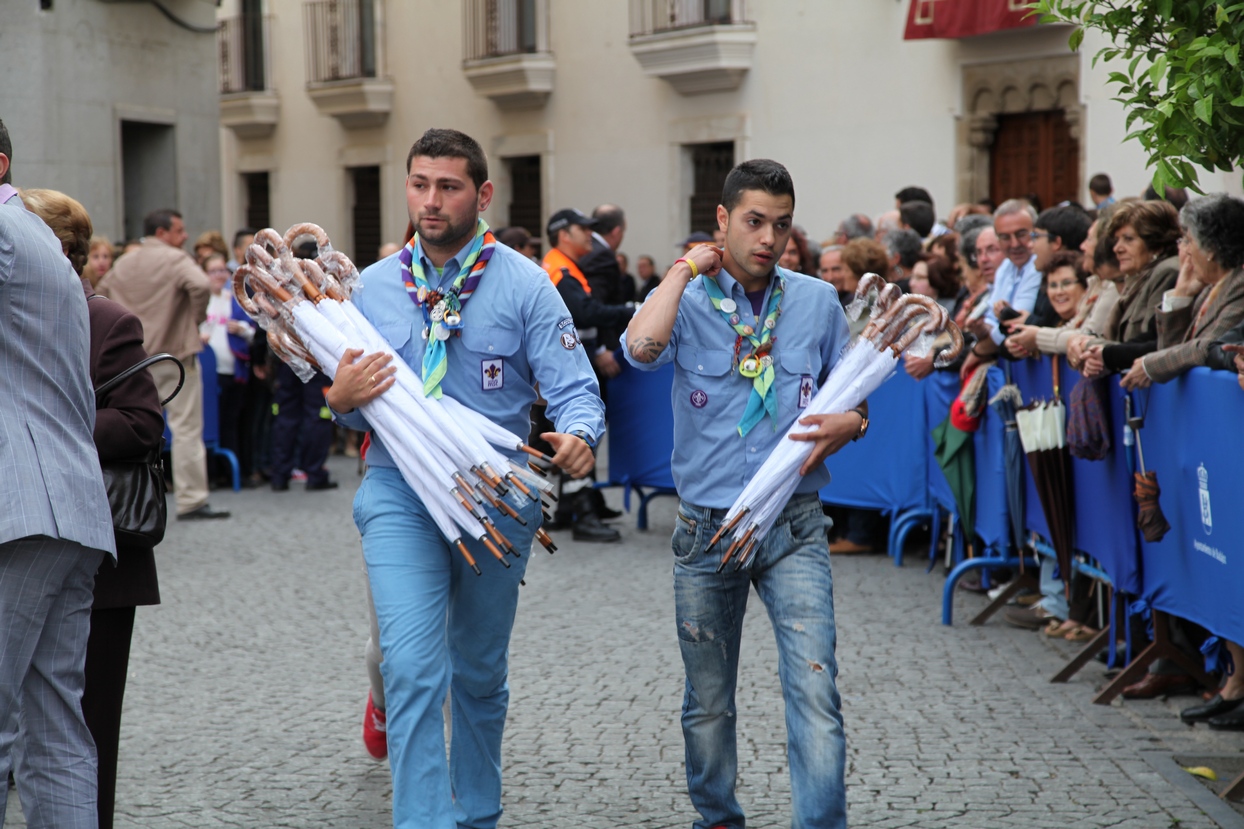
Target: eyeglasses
(225, 271)
(1020, 236)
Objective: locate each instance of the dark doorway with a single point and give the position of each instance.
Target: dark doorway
(710, 164)
(1034, 153)
(366, 215)
(148, 172)
(258, 211)
(526, 208)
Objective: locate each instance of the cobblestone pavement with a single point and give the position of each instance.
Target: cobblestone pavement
(247, 686)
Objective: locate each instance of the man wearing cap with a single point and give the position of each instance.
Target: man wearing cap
(570, 235)
(442, 627)
(697, 238)
(751, 343)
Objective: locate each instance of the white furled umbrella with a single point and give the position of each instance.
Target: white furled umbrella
(897, 324)
(445, 451)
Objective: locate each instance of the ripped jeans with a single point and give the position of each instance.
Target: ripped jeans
(792, 576)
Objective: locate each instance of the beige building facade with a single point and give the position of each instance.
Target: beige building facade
(643, 103)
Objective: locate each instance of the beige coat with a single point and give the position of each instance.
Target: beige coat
(167, 291)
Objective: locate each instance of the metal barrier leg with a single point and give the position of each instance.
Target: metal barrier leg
(1093, 647)
(1017, 584)
(948, 592)
(900, 526)
(1234, 789)
(935, 533)
(1161, 647)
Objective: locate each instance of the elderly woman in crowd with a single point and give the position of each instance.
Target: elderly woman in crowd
(1092, 312)
(1208, 298)
(210, 242)
(1146, 236)
(933, 276)
(798, 255)
(1065, 286)
(129, 424)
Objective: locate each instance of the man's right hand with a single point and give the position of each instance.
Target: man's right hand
(360, 380)
(707, 259)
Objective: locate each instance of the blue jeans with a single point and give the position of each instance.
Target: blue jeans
(441, 627)
(792, 577)
(1054, 599)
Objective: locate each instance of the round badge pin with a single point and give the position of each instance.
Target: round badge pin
(423, 293)
(748, 330)
(769, 324)
(734, 319)
(729, 305)
(442, 333)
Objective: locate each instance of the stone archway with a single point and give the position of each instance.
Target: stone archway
(993, 89)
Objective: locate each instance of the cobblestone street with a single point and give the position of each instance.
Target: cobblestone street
(247, 686)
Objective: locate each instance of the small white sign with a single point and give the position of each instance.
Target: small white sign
(805, 391)
(492, 375)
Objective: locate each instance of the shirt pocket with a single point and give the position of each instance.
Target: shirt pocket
(794, 365)
(705, 383)
(396, 332)
(491, 341)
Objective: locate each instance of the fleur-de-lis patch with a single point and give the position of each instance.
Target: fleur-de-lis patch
(492, 375)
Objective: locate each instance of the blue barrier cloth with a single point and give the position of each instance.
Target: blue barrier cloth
(1194, 441)
(887, 470)
(641, 427)
(993, 522)
(940, 390)
(1105, 512)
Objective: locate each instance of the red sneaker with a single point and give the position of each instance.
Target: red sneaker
(374, 736)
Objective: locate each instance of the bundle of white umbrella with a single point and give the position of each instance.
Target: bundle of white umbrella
(898, 323)
(450, 455)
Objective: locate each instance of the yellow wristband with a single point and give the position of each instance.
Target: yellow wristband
(694, 270)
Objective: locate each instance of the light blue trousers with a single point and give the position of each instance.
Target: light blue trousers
(441, 628)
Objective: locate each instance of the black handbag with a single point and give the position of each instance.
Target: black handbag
(136, 491)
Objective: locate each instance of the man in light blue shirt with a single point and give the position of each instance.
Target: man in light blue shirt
(440, 625)
(1017, 281)
(751, 343)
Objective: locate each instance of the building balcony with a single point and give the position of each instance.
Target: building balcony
(506, 51)
(250, 114)
(696, 45)
(248, 104)
(522, 81)
(343, 58)
(356, 102)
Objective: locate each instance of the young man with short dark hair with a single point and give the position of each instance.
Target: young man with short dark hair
(751, 343)
(440, 625)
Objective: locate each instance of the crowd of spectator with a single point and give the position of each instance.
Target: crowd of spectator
(1135, 290)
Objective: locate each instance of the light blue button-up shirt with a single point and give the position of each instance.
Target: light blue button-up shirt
(516, 332)
(711, 461)
(1018, 286)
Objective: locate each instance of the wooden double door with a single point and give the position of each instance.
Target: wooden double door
(1034, 154)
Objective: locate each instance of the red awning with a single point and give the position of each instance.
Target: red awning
(965, 18)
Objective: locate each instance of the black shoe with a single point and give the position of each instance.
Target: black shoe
(324, 484)
(589, 528)
(561, 521)
(601, 508)
(282, 486)
(1216, 706)
(1233, 721)
(203, 513)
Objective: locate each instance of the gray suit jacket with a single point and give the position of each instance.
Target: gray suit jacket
(52, 485)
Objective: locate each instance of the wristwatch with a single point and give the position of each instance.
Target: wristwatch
(863, 425)
(583, 436)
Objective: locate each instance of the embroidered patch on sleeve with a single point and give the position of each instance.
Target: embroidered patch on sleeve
(492, 375)
(569, 340)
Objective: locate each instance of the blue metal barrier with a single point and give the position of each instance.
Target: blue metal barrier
(641, 435)
(211, 416)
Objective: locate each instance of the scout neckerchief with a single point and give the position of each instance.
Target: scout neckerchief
(758, 365)
(442, 310)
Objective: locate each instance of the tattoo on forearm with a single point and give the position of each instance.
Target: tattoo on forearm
(646, 349)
